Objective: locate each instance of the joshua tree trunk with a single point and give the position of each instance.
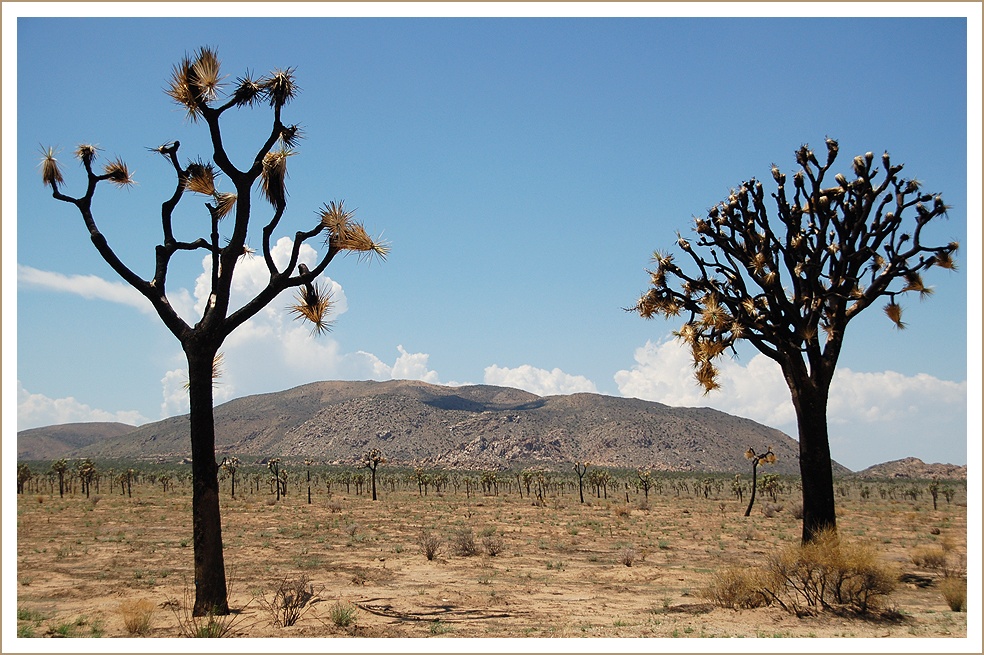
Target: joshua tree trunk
(210, 581)
(810, 402)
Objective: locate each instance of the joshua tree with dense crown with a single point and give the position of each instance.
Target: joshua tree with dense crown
(196, 86)
(789, 279)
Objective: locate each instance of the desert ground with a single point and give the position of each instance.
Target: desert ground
(117, 566)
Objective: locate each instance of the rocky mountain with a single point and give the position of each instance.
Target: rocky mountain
(467, 427)
(913, 467)
(57, 441)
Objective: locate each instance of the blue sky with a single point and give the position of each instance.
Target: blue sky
(523, 169)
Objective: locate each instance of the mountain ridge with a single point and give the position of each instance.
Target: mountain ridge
(476, 426)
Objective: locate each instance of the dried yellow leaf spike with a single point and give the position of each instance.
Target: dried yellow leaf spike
(346, 234)
(274, 177)
(86, 153)
(50, 171)
(201, 178)
(117, 173)
(313, 304)
(894, 312)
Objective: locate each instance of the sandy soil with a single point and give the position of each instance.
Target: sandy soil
(83, 565)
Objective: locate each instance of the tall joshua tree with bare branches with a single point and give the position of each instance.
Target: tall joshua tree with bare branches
(195, 85)
(789, 280)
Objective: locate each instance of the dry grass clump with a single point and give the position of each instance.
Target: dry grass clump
(954, 590)
(929, 557)
(138, 616)
(737, 588)
(941, 558)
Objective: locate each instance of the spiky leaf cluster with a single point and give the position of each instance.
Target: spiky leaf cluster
(200, 177)
(345, 233)
(313, 304)
(196, 81)
(789, 271)
(372, 458)
(51, 174)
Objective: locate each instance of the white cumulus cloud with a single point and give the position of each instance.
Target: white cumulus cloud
(538, 381)
(871, 417)
(36, 410)
(413, 366)
(87, 286)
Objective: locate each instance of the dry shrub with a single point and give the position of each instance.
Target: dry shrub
(627, 556)
(737, 588)
(829, 574)
(954, 590)
(492, 542)
(771, 509)
(430, 544)
(290, 600)
(138, 616)
(463, 542)
(623, 512)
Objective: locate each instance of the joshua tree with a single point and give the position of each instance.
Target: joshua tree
(772, 485)
(230, 464)
(645, 481)
(278, 477)
(934, 490)
(24, 475)
(86, 471)
(490, 483)
(371, 459)
(737, 488)
(599, 479)
(767, 457)
(195, 85)
(60, 468)
(790, 283)
(307, 469)
(580, 468)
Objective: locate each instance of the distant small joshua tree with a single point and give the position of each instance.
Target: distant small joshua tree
(230, 464)
(24, 475)
(307, 468)
(87, 472)
(645, 481)
(737, 488)
(767, 457)
(278, 477)
(580, 468)
(60, 468)
(371, 459)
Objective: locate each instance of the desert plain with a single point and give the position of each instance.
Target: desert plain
(621, 566)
